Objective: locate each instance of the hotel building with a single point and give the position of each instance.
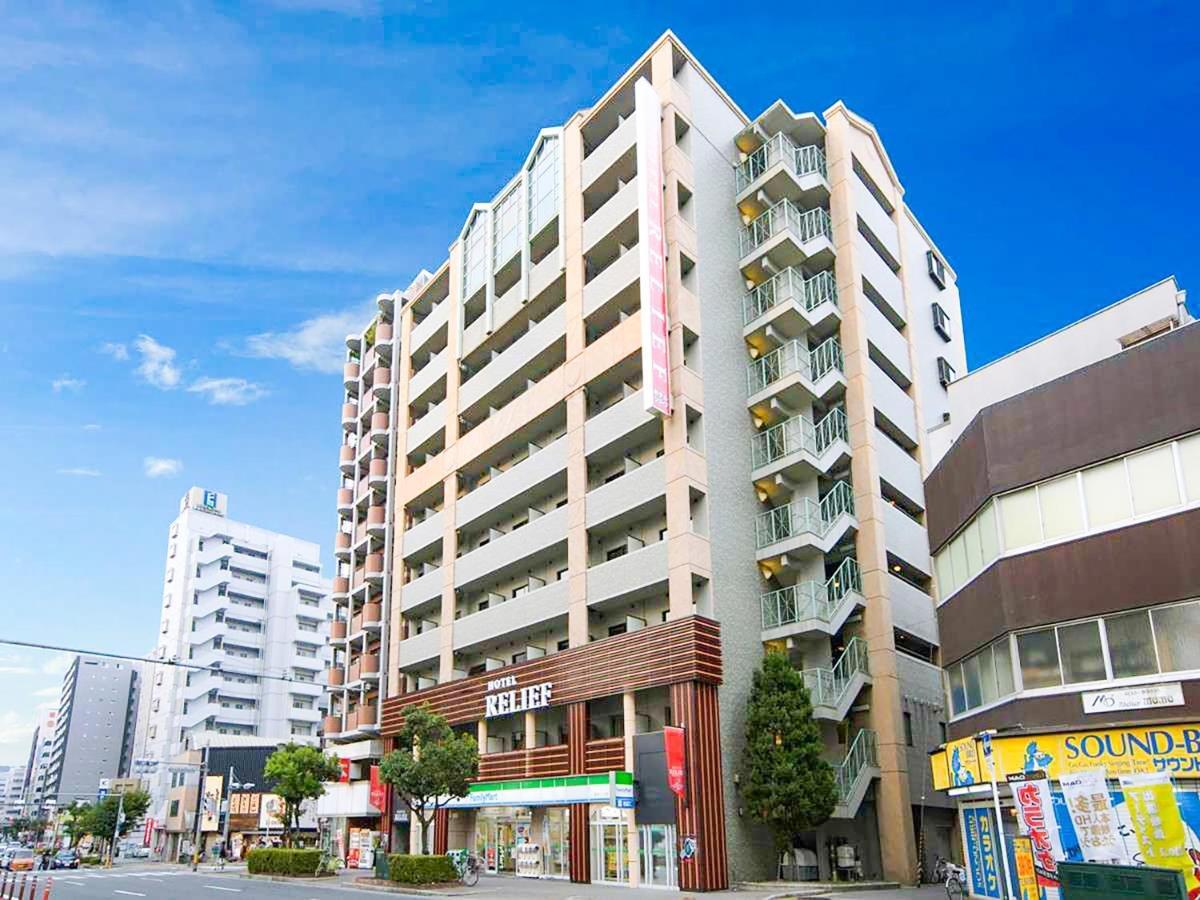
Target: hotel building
(662, 407)
(251, 606)
(1064, 513)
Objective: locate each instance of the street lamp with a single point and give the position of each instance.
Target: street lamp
(232, 785)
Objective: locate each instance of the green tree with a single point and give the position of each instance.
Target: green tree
(786, 782)
(299, 773)
(430, 764)
(75, 822)
(101, 819)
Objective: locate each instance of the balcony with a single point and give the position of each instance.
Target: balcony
(544, 273)
(608, 151)
(888, 346)
(372, 616)
(899, 469)
(626, 421)
(813, 606)
(337, 630)
(381, 382)
(512, 548)
(538, 350)
(631, 495)
(377, 475)
(420, 649)
(350, 377)
(806, 525)
(877, 219)
(336, 677)
(906, 538)
(619, 207)
(792, 375)
(349, 416)
(784, 236)
(379, 427)
(788, 305)
(894, 405)
(834, 690)
(423, 431)
(516, 616)
(883, 281)
(618, 276)
(345, 501)
(638, 573)
(431, 375)
(781, 169)
(374, 568)
(425, 534)
(795, 448)
(912, 609)
(854, 776)
(341, 587)
(346, 457)
(376, 520)
(523, 478)
(425, 330)
(422, 591)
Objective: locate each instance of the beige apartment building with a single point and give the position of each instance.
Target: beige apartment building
(576, 539)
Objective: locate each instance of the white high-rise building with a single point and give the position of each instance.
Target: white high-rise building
(12, 786)
(40, 752)
(251, 606)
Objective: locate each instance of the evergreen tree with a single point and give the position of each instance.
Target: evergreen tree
(786, 782)
(299, 773)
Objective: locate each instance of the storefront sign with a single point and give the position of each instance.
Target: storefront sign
(609, 788)
(1158, 826)
(212, 802)
(981, 852)
(378, 796)
(535, 696)
(652, 250)
(1035, 816)
(676, 761)
(1027, 886)
(1092, 814)
(1146, 696)
(344, 765)
(962, 759)
(1143, 750)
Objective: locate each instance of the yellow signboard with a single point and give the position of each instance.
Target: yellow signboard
(1027, 885)
(962, 762)
(1144, 750)
(1158, 825)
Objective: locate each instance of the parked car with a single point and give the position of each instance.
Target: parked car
(139, 853)
(66, 859)
(22, 860)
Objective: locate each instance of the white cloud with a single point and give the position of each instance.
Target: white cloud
(116, 351)
(159, 467)
(317, 343)
(58, 663)
(228, 391)
(91, 426)
(16, 728)
(80, 472)
(67, 383)
(158, 363)
(51, 691)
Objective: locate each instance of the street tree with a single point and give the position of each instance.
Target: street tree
(75, 822)
(299, 773)
(431, 764)
(101, 818)
(786, 782)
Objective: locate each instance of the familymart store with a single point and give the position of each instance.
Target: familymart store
(564, 739)
(1129, 796)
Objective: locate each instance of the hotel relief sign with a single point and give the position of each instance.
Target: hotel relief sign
(503, 697)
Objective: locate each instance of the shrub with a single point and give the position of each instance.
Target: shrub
(408, 869)
(277, 861)
(90, 860)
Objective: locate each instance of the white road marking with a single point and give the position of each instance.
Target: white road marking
(129, 893)
(213, 887)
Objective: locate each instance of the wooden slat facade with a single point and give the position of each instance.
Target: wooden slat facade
(605, 755)
(540, 762)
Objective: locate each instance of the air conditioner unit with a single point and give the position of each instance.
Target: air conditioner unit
(945, 371)
(937, 269)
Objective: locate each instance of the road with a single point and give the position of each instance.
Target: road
(160, 882)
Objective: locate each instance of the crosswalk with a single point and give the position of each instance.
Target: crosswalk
(92, 874)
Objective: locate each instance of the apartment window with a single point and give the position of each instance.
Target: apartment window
(506, 227)
(174, 809)
(1131, 644)
(908, 729)
(1177, 634)
(543, 186)
(945, 372)
(1152, 480)
(937, 269)
(941, 321)
(519, 657)
(475, 255)
(564, 644)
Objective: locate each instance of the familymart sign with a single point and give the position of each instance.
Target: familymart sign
(613, 788)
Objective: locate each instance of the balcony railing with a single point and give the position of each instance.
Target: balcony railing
(826, 687)
(806, 160)
(863, 753)
(803, 516)
(811, 599)
(789, 286)
(794, 358)
(796, 434)
(786, 216)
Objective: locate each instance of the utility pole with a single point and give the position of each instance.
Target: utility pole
(199, 810)
(116, 828)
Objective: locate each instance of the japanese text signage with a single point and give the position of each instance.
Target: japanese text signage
(1027, 886)
(1158, 825)
(981, 849)
(502, 702)
(1035, 815)
(378, 795)
(1092, 814)
(676, 761)
(652, 251)
(962, 760)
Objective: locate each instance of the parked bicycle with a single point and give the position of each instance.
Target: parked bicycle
(955, 881)
(468, 865)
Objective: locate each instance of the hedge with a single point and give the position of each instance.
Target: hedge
(94, 860)
(278, 861)
(408, 869)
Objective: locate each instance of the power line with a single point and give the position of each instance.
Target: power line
(213, 669)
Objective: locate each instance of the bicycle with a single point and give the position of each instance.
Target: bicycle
(956, 881)
(468, 866)
(939, 869)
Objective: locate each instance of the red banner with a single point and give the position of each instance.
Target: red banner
(378, 790)
(652, 251)
(345, 764)
(676, 761)
(147, 832)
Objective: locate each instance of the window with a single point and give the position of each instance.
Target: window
(615, 552)
(945, 371)
(619, 628)
(564, 644)
(1106, 492)
(1131, 644)
(941, 322)
(474, 255)
(1189, 460)
(1062, 514)
(1152, 479)
(1020, 519)
(908, 729)
(1082, 656)
(1177, 634)
(1038, 652)
(174, 810)
(937, 269)
(506, 228)
(543, 186)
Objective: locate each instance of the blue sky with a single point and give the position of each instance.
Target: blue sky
(197, 201)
